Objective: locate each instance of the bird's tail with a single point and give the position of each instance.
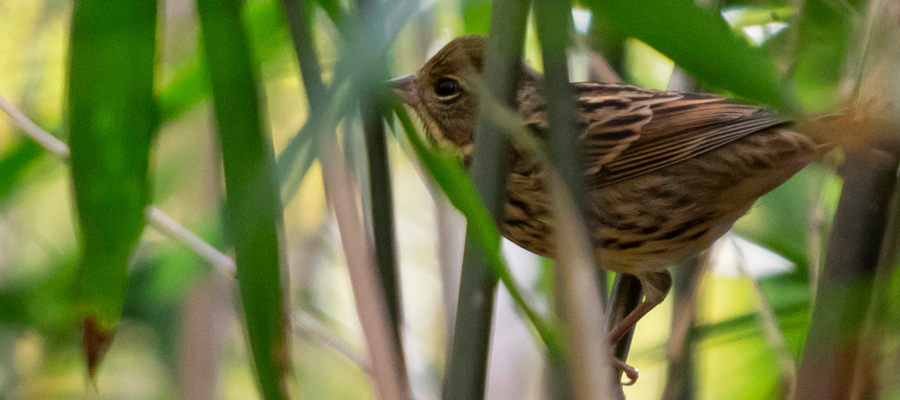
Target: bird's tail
(853, 127)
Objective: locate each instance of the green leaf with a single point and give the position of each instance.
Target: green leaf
(701, 43)
(476, 16)
(252, 212)
(112, 120)
(189, 88)
(447, 171)
(825, 30)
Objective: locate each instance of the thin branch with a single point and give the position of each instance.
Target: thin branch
(168, 226)
(384, 349)
(33, 131)
(680, 348)
(467, 367)
(308, 326)
(831, 352)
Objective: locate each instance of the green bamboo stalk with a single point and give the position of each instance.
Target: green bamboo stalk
(467, 368)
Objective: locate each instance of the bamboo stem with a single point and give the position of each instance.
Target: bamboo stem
(467, 367)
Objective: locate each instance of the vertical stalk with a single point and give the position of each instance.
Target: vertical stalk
(467, 368)
(381, 337)
(832, 345)
(381, 198)
(577, 298)
(878, 328)
(680, 349)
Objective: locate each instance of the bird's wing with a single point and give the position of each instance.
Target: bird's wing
(629, 131)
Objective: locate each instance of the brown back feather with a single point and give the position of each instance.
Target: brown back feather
(630, 131)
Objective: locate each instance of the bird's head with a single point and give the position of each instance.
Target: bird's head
(443, 92)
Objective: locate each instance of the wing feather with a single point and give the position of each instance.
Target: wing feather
(631, 131)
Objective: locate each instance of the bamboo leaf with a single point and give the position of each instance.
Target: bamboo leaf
(112, 119)
(476, 16)
(825, 31)
(700, 42)
(447, 171)
(252, 207)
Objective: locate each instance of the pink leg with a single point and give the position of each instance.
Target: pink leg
(655, 286)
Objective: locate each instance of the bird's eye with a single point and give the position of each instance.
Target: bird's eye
(447, 88)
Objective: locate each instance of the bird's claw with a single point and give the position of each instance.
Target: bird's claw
(630, 372)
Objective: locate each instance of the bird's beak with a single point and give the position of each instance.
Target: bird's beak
(405, 88)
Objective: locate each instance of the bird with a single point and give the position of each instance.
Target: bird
(666, 173)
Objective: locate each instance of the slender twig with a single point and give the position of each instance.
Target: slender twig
(341, 193)
(605, 72)
(815, 224)
(381, 202)
(680, 346)
(46, 140)
(373, 314)
(308, 326)
(167, 225)
(867, 382)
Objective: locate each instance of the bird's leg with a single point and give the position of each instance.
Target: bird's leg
(656, 286)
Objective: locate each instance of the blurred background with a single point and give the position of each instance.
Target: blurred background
(180, 336)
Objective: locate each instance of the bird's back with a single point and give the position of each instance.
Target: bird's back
(668, 172)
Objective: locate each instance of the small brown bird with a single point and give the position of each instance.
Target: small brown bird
(667, 172)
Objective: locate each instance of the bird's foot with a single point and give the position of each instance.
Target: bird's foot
(630, 372)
